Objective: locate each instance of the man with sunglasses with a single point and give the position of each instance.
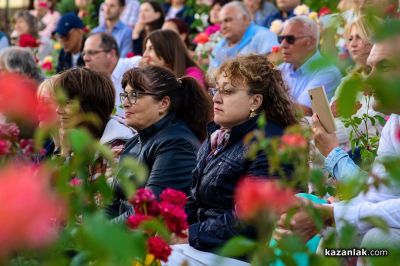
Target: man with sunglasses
(302, 68)
(70, 34)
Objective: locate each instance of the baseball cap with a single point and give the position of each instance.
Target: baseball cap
(67, 22)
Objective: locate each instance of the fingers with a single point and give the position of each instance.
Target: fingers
(279, 233)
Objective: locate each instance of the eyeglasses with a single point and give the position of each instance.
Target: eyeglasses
(93, 52)
(132, 96)
(221, 91)
(291, 39)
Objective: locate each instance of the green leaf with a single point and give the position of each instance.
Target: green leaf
(238, 246)
(377, 222)
(380, 119)
(130, 174)
(80, 140)
(348, 91)
(292, 244)
(347, 236)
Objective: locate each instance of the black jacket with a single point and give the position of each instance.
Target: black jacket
(65, 61)
(210, 208)
(168, 149)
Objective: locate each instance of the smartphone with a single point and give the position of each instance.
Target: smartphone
(320, 106)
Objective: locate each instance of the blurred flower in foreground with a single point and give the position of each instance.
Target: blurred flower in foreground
(159, 248)
(254, 196)
(29, 212)
(18, 98)
(294, 140)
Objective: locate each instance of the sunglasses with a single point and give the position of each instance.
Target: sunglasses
(290, 39)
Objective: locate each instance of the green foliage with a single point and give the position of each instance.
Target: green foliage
(238, 246)
(317, 5)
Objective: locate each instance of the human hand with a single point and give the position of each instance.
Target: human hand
(324, 141)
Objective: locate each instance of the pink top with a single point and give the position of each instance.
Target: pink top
(197, 74)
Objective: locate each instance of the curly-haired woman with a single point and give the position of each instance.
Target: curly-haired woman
(246, 87)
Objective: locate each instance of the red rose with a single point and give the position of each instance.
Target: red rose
(75, 182)
(254, 196)
(174, 197)
(159, 248)
(25, 105)
(27, 146)
(47, 66)
(201, 38)
(175, 217)
(5, 146)
(324, 11)
(144, 202)
(130, 54)
(9, 131)
(275, 49)
(27, 40)
(135, 220)
(294, 140)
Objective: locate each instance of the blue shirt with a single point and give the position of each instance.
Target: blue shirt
(122, 34)
(256, 39)
(306, 77)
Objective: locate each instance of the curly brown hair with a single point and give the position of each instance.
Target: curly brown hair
(261, 77)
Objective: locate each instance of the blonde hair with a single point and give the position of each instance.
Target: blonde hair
(365, 26)
(47, 86)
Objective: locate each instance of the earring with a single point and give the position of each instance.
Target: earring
(252, 113)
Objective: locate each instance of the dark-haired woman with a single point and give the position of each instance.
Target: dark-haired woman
(245, 88)
(95, 95)
(151, 18)
(165, 48)
(170, 116)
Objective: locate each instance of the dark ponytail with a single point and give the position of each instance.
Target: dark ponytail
(188, 99)
(195, 107)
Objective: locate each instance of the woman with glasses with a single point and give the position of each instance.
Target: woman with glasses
(170, 116)
(246, 87)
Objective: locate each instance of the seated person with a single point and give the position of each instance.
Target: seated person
(241, 36)
(284, 12)
(165, 48)
(299, 42)
(95, 94)
(170, 116)
(113, 25)
(246, 87)
(384, 201)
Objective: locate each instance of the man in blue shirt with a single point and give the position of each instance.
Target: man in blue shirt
(121, 32)
(299, 42)
(241, 36)
(286, 11)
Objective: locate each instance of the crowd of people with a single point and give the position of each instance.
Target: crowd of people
(139, 73)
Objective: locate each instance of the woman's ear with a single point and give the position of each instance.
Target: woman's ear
(256, 101)
(164, 105)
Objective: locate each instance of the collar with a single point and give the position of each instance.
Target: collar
(246, 38)
(115, 130)
(306, 66)
(119, 25)
(158, 126)
(237, 132)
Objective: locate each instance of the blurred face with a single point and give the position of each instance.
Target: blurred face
(21, 26)
(95, 57)
(304, 45)
(66, 113)
(233, 24)
(150, 57)
(378, 7)
(168, 25)
(82, 3)
(47, 102)
(177, 2)
(214, 11)
(232, 104)
(359, 48)
(147, 13)
(72, 42)
(252, 5)
(112, 10)
(287, 5)
(385, 67)
(41, 7)
(142, 112)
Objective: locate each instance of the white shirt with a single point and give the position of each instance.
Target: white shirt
(383, 202)
(123, 65)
